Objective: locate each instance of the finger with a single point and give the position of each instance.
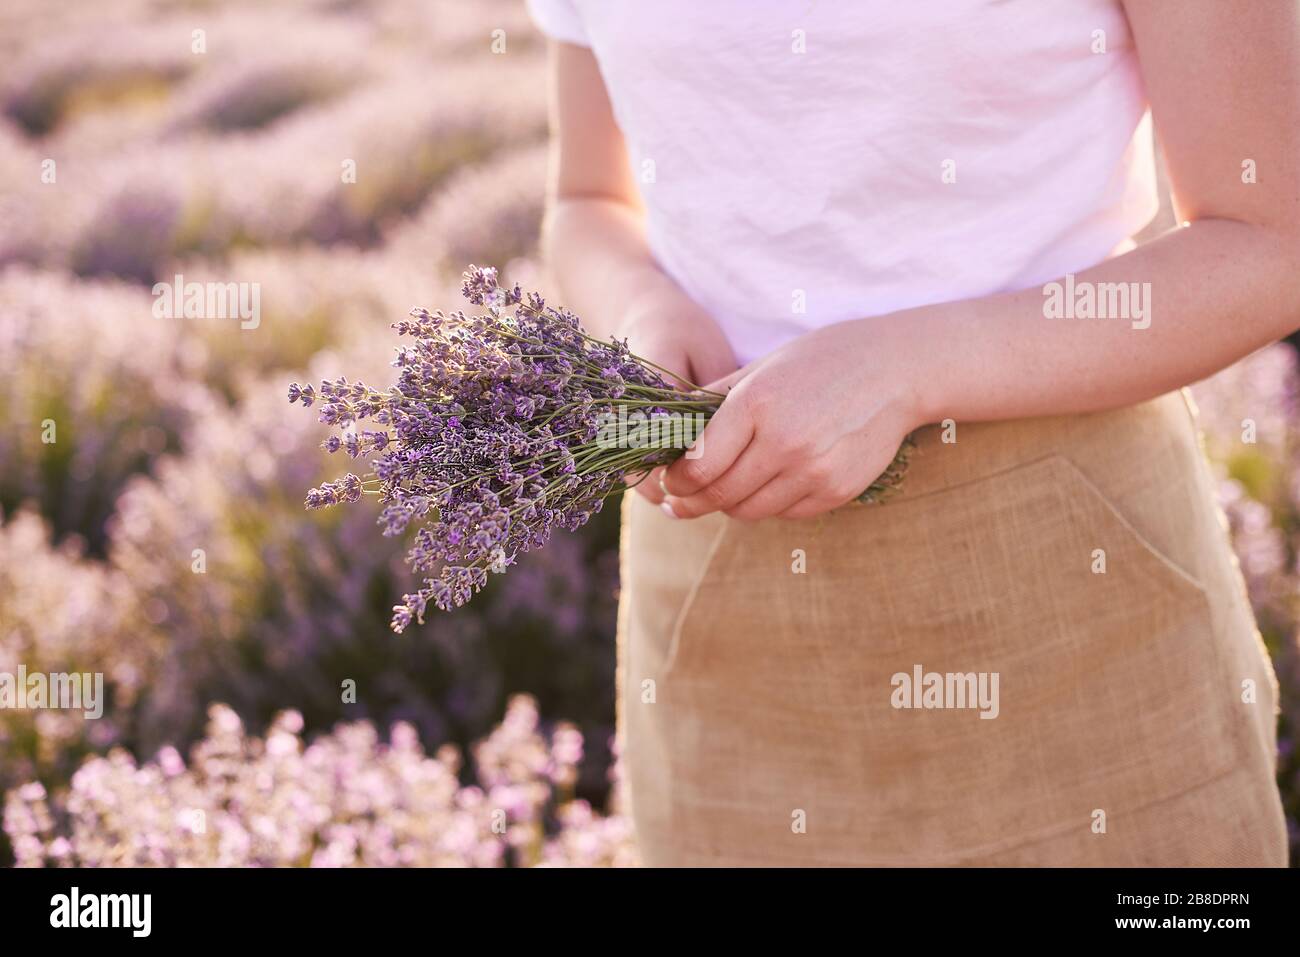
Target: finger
(774, 498)
(724, 438)
(808, 507)
(728, 382)
(752, 471)
(647, 485)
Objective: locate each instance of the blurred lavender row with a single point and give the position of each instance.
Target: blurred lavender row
(346, 799)
(157, 533)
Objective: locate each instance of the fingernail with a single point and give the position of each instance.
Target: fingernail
(667, 508)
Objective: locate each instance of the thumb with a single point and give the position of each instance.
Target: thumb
(728, 382)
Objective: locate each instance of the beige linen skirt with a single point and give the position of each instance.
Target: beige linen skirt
(1039, 653)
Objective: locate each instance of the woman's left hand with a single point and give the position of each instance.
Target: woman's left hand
(805, 429)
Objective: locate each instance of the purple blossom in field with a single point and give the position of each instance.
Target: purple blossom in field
(453, 28)
(1250, 413)
(346, 799)
(61, 613)
(69, 60)
(1261, 393)
(137, 207)
(291, 602)
(66, 67)
(588, 839)
(77, 423)
(26, 236)
(227, 168)
(1261, 549)
(490, 212)
(314, 302)
(256, 93)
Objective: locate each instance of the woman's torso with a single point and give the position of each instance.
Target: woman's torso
(807, 163)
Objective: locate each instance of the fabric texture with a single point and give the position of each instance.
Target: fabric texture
(558, 20)
(805, 164)
(1080, 559)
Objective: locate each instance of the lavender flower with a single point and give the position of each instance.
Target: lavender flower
(346, 799)
(487, 212)
(77, 423)
(60, 612)
(495, 435)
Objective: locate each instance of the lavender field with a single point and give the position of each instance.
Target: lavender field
(331, 164)
(347, 160)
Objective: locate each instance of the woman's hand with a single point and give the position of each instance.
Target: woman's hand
(804, 429)
(677, 335)
(680, 337)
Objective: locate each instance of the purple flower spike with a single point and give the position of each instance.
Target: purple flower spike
(499, 429)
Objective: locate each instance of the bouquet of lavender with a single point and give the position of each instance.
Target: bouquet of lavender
(500, 428)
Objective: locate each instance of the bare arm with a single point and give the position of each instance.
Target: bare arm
(1223, 79)
(805, 428)
(595, 239)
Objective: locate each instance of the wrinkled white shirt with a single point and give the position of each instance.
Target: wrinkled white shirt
(807, 163)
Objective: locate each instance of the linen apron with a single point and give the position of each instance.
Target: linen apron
(1081, 559)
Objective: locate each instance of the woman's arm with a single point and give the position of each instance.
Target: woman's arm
(595, 244)
(1223, 80)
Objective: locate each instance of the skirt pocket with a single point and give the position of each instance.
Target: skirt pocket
(1089, 680)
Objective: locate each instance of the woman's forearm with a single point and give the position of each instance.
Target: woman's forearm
(1198, 299)
(597, 252)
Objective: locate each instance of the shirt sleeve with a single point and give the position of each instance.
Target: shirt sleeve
(559, 20)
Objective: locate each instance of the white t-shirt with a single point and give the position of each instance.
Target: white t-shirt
(807, 163)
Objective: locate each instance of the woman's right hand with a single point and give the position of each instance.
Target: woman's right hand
(681, 337)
